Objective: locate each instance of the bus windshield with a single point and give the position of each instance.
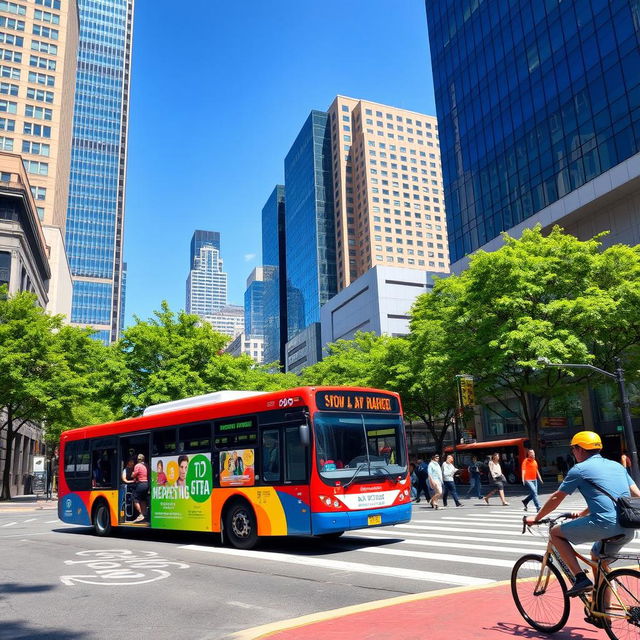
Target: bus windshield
(359, 445)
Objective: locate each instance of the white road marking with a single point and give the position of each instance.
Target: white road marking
(339, 565)
(9, 524)
(527, 541)
(447, 557)
(457, 545)
(488, 521)
(53, 521)
(30, 520)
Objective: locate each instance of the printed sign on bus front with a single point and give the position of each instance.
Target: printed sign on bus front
(181, 492)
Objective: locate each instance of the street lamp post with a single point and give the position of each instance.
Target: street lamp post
(618, 376)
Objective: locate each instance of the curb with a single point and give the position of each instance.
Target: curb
(272, 628)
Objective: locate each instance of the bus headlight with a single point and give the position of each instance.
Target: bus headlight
(336, 504)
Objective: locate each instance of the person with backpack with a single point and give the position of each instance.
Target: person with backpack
(474, 478)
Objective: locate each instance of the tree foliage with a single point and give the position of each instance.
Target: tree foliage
(538, 296)
(46, 374)
(176, 355)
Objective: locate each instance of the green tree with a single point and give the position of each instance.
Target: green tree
(41, 371)
(538, 296)
(177, 355)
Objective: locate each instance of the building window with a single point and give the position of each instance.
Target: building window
(12, 7)
(33, 129)
(42, 78)
(8, 107)
(11, 23)
(44, 47)
(40, 94)
(39, 193)
(36, 167)
(6, 144)
(10, 38)
(51, 4)
(9, 72)
(46, 16)
(42, 63)
(5, 267)
(45, 32)
(36, 148)
(7, 125)
(43, 113)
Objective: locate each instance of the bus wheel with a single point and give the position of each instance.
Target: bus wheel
(240, 525)
(102, 519)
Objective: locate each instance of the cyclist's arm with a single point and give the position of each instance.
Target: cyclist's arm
(552, 503)
(634, 490)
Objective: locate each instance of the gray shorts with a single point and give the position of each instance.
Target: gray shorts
(586, 529)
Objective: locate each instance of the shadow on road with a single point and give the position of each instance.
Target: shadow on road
(517, 630)
(19, 630)
(13, 588)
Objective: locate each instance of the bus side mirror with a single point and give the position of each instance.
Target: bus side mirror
(305, 435)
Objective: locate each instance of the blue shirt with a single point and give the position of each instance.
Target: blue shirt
(609, 475)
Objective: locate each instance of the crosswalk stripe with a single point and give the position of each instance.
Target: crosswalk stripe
(339, 565)
(425, 555)
(483, 520)
(9, 524)
(525, 541)
(52, 521)
(30, 520)
(458, 545)
(457, 529)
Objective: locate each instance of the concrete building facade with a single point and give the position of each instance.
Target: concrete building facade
(253, 346)
(380, 301)
(229, 320)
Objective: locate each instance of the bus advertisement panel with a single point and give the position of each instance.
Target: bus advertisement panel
(307, 461)
(181, 497)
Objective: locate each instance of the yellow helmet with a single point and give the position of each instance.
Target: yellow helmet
(587, 440)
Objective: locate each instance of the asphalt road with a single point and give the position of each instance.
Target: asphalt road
(60, 581)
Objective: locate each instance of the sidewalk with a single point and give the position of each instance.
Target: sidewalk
(28, 503)
(477, 613)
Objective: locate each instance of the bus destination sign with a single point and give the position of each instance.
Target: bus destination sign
(356, 401)
(236, 425)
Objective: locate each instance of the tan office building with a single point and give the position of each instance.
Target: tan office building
(38, 50)
(388, 195)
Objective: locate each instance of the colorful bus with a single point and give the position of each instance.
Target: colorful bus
(307, 461)
(512, 453)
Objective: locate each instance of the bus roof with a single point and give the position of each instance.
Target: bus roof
(513, 442)
(251, 402)
(198, 401)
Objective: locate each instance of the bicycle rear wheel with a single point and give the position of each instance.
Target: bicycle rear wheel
(541, 596)
(620, 599)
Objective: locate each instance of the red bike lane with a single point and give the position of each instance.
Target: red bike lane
(486, 613)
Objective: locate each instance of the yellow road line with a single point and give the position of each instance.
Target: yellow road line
(265, 630)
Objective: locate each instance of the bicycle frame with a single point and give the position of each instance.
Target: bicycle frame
(600, 571)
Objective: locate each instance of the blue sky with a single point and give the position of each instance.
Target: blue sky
(219, 91)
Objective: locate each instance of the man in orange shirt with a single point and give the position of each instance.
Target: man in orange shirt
(530, 477)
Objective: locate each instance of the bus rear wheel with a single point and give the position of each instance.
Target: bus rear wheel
(240, 526)
(102, 519)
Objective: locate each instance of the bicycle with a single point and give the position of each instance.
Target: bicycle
(539, 590)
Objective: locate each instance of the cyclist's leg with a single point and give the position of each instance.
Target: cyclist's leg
(560, 538)
(609, 550)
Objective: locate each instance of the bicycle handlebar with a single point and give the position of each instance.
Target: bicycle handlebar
(563, 516)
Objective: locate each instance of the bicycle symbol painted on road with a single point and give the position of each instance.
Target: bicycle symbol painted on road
(120, 567)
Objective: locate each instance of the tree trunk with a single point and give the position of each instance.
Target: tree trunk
(5, 494)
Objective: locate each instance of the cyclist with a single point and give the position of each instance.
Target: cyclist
(599, 519)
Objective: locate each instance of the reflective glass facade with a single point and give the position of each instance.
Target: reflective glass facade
(95, 215)
(534, 99)
(274, 276)
(310, 231)
(201, 238)
(254, 309)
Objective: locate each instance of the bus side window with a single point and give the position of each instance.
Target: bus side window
(164, 442)
(295, 456)
(271, 455)
(78, 461)
(103, 464)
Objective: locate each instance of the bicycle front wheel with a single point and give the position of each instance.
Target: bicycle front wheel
(619, 598)
(540, 594)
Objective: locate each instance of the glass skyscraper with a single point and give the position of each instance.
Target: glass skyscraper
(535, 100)
(95, 215)
(207, 282)
(254, 303)
(275, 276)
(309, 227)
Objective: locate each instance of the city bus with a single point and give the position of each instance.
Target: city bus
(308, 461)
(512, 453)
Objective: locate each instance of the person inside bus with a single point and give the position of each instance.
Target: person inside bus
(127, 472)
(141, 488)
